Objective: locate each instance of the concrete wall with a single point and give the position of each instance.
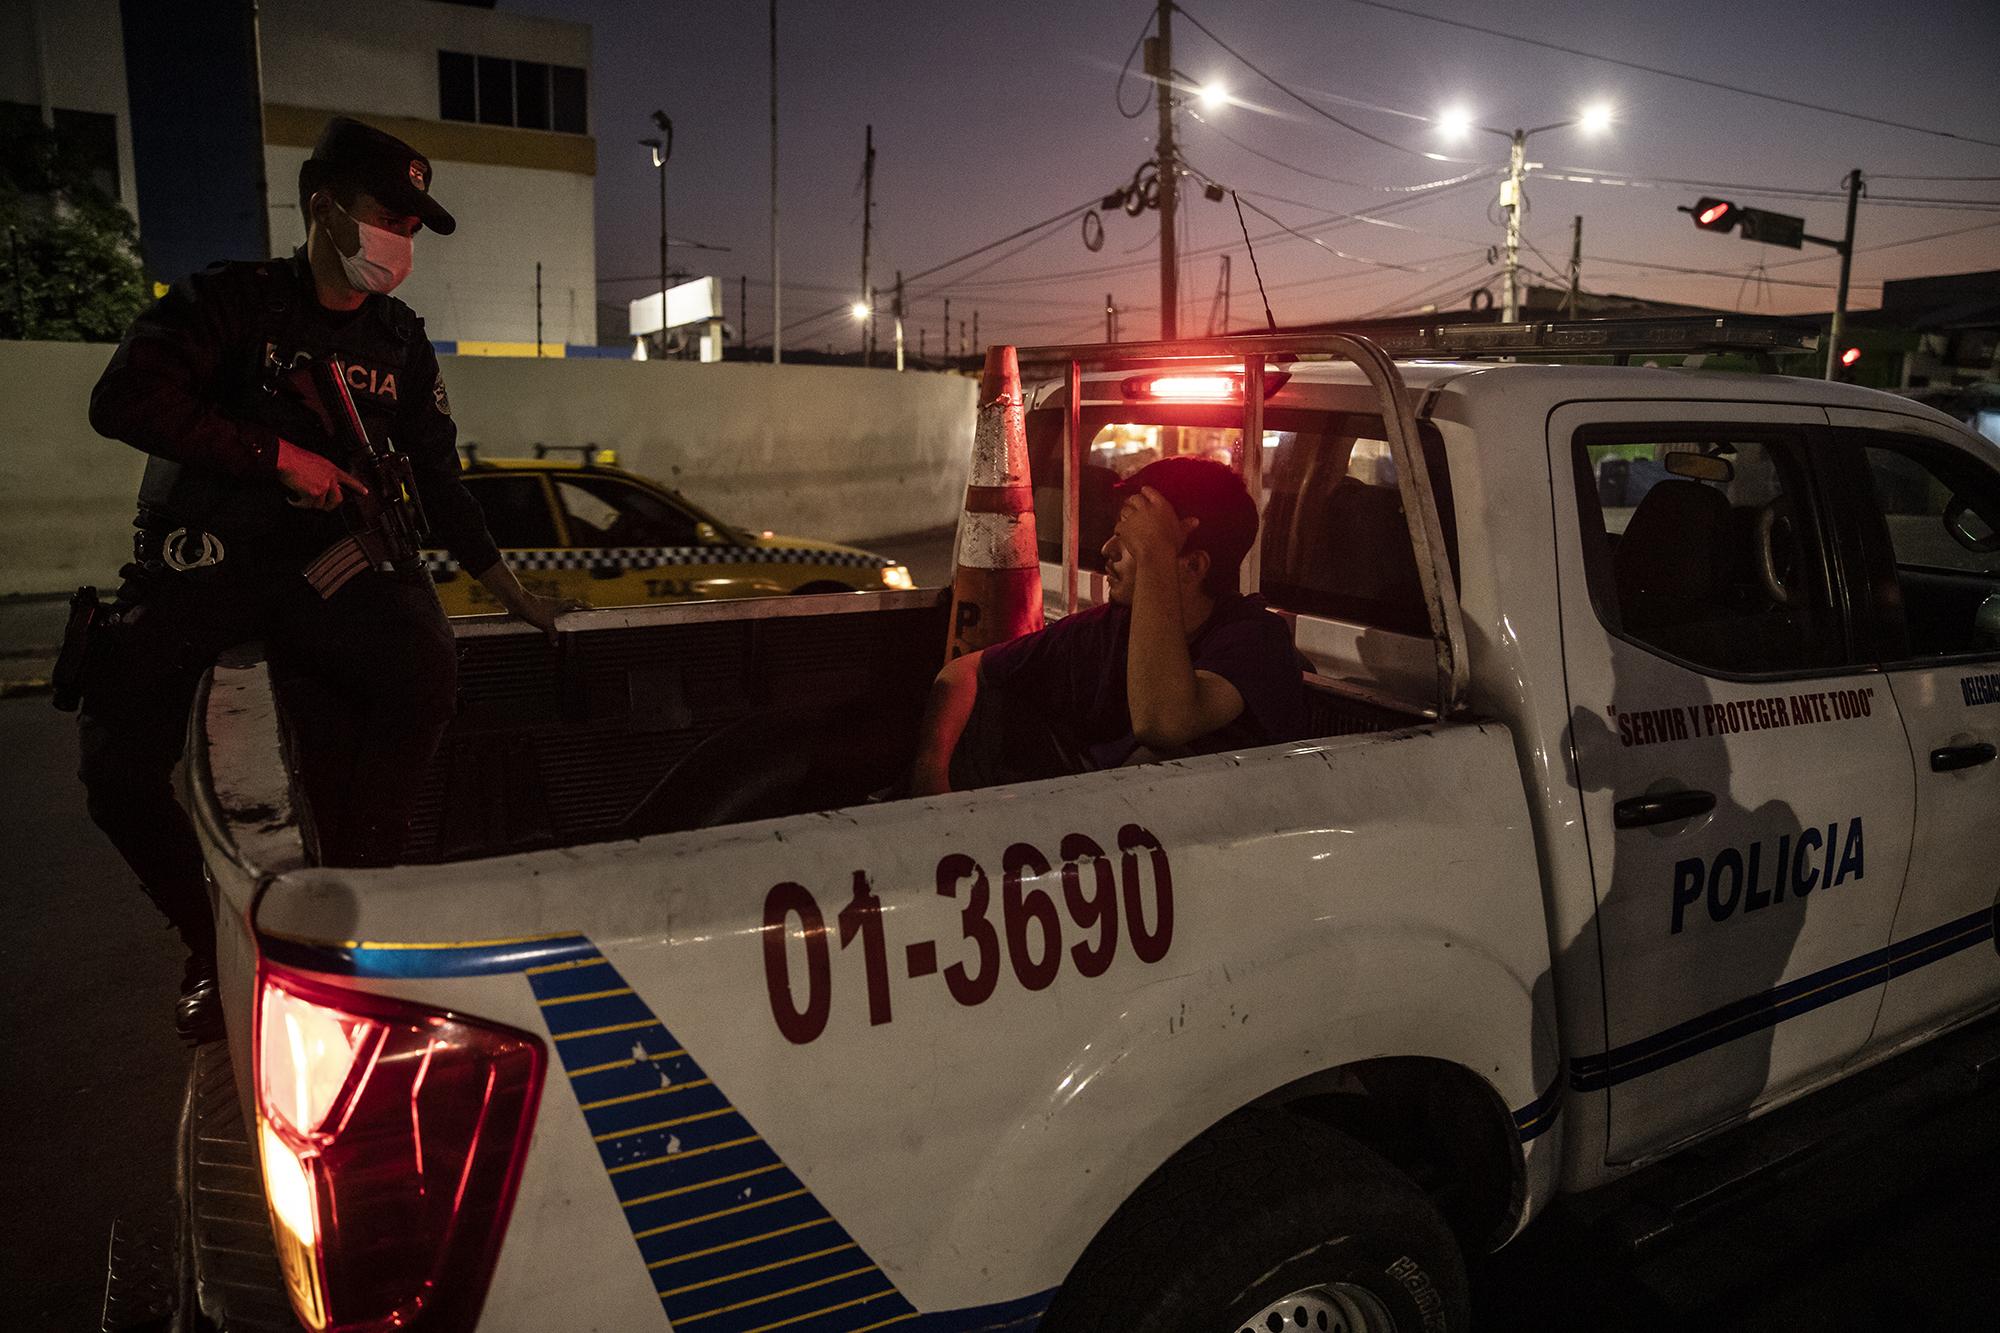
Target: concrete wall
(813, 451)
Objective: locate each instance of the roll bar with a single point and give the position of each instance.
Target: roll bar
(1252, 352)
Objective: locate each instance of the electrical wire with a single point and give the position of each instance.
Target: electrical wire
(1590, 176)
(1667, 73)
(1307, 102)
(1217, 130)
(1118, 89)
(1887, 245)
(1338, 254)
(1418, 296)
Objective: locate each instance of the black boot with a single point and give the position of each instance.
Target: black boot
(198, 1011)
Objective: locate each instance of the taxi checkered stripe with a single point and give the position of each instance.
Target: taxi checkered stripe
(647, 557)
(733, 1241)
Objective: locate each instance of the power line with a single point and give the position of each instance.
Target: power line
(1594, 176)
(1215, 129)
(1307, 102)
(1338, 254)
(1667, 73)
(1420, 294)
(1889, 245)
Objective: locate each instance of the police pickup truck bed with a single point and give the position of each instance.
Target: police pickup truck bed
(1650, 789)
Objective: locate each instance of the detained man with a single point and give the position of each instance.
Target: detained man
(1177, 662)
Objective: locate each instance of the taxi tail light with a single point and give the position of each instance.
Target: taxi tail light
(392, 1138)
(1184, 386)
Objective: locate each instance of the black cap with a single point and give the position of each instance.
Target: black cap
(397, 175)
(1200, 488)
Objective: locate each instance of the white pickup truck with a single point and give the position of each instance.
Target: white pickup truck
(1650, 787)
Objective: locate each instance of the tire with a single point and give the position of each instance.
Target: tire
(1264, 1206)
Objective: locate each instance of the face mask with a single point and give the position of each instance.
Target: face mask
(383, 260)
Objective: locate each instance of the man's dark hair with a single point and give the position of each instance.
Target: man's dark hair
(315, 176)
(1212, 492)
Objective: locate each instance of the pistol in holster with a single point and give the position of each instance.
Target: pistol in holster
(83, 641)
(385, 527)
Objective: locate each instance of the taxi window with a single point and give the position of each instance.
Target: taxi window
(1941, 510)
(1701, 543)
(604, 511)
(516, 509)
(1334, 539)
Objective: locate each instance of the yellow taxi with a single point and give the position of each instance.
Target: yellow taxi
(607, 537)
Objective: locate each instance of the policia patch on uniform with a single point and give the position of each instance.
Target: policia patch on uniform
(438, 396)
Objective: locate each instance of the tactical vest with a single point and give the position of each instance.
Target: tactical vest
(263, 380)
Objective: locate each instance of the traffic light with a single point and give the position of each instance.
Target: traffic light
(1850, 356)
(1715, 214)
(1752, 224)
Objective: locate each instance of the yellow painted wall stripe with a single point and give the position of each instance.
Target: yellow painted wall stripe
(776, 1295)
(683, 1155)
(739, 1244)
(641, 1096)
(443, 141)
(724, 1212)
(705, 1184)
(663, 1124)
(765, 1268)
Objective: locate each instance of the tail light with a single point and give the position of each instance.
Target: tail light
(392, 1138)
(1209, 386)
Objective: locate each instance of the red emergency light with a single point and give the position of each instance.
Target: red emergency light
(1850, 356)
(1205, 386)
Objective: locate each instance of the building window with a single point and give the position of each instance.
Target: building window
(456, 99)
(527, 94)
(531, 95)
(571, 116)
(496, 91)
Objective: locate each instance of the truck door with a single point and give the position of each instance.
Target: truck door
(1926, 506)
(1746, 787)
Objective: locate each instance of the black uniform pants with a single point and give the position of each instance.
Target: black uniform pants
(369, 678)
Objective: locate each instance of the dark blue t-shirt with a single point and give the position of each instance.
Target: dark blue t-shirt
(1073, 673)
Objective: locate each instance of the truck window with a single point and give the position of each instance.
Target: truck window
(516, 509)
(1702, 545)
(1335, 542)
(1941, 510)
(606, 512)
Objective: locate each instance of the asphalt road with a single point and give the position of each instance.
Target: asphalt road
(1904, 1239)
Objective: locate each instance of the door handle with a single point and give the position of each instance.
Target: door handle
(1664, 808)
(1951, 758)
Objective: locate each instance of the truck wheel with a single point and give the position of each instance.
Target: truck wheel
(1269, 1222)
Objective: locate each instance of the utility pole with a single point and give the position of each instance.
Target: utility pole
(975, 334)
(1160, 64)
(923, 339)
(777, 300)
(1110, 320)
(899, 319)
(1575, 266)
(538, 309)
(947, 328)
(961, 337)
(867, 227)
(1510, 203)
(742, 309)
(1846, 248)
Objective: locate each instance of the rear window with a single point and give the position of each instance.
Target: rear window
(1335, 541)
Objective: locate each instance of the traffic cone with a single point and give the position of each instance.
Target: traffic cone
(996, 593)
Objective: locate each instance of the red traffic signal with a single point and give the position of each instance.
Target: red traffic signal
(1715, 214)
(1850, 356)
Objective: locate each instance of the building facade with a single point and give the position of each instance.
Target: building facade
(500, 104)
(62, 64)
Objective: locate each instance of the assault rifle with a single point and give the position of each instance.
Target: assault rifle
(386, 526)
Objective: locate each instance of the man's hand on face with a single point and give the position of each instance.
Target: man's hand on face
(1149, 528)
(314, 481)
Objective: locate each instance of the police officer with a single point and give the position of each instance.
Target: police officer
(251, 489)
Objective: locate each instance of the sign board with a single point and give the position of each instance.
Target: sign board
(694, 302)
(1773, 228)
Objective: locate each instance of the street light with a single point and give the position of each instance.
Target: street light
(859, 310)
(1456, 122)
(663, 148)
(1212, 95)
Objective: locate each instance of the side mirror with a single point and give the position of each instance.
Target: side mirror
(1968, 527)
(706, 534)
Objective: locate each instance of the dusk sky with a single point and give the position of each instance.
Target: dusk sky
(992, 117)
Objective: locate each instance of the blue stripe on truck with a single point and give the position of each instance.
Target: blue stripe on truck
(733, 1240)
